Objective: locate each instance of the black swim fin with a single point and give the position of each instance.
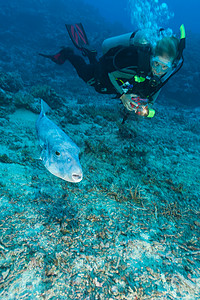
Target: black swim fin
(77, 35)
(79, 38)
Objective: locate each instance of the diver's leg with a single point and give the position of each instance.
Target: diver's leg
(84, 71)
(60, 57)
(91, 55)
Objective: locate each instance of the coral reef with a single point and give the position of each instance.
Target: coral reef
(11, 82)
(129, 230)
(48, 94)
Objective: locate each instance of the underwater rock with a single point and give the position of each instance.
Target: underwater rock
(11, 82)
(5, 98)
(197, 223)
(5, 159)
(25, 100)
(125, 132)
(48, 94)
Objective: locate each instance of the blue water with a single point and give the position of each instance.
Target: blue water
(186, 12)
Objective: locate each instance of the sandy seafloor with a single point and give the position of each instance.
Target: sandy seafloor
(131, 228)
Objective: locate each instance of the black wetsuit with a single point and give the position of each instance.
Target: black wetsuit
(125, 60)
(119, 65)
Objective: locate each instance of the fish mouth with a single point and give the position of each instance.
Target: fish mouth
(77, 177)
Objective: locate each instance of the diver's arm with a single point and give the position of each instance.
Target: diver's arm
(141, 107)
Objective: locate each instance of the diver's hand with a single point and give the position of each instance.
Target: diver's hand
(127, 101)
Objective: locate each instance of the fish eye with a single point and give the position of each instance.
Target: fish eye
(57, 153)
(68, 160)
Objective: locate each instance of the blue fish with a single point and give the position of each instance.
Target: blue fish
(60, 155)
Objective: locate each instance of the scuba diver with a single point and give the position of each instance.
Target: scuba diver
(130, 67)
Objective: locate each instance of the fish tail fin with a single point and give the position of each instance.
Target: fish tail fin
(44, 107)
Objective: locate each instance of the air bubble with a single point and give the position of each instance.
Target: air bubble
(149, 14)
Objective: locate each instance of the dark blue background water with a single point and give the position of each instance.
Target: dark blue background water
(186, 12)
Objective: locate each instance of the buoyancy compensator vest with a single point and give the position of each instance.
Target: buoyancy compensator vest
(143, 70)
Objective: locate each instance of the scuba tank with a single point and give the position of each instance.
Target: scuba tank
(137, 38)
(120, 40)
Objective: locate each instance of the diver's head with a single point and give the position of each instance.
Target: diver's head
(160, 65)
(165, 53)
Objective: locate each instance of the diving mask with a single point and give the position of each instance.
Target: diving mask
(161, 65)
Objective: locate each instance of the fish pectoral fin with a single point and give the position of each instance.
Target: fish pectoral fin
(40, 152)
(38, 155)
